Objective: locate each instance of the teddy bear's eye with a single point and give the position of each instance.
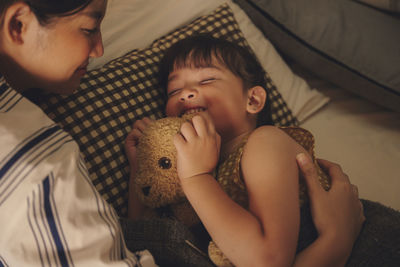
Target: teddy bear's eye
(164, 163)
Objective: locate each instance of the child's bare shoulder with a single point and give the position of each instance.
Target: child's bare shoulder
(268, 134)
(268, 161)
(270, 142)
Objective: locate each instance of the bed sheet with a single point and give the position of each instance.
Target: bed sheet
(362, 137)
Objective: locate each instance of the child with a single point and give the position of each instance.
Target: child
(225, 85)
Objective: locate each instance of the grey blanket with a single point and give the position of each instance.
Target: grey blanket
(378, 243)
(171, 243)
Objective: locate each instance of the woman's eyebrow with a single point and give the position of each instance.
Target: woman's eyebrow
(97, 15)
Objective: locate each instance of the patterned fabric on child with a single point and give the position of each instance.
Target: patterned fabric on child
(229, 177)
(228, 173)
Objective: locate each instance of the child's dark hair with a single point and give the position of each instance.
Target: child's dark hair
(45, 10)
(199, 51)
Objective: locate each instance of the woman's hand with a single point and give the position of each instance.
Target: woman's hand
(132, 139)
(338, 213)
(197, 147)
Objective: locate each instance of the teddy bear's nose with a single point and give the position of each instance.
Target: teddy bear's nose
(146, 190)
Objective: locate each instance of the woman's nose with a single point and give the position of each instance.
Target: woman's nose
(97, 49)
(188, 94)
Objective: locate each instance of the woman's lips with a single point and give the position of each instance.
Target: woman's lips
(81, 71)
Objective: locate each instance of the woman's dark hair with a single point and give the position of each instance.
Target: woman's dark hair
(45, 10)
(199, 51)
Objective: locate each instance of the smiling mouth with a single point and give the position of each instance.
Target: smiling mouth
(192, 111)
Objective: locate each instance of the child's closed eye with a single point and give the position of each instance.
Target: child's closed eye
(207, 80)
(173, 92)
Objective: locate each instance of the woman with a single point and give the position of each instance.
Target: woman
(56, 217)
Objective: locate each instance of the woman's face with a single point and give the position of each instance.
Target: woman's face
(57, 54)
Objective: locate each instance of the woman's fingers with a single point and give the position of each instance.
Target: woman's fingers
(355, 189)
(334, 170)
(309, 173)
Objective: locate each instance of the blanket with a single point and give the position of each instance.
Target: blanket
(172, 244)
(378, 243)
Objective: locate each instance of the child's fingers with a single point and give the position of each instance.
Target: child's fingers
(309, 173)
(200, 125)
(142, 124)
(147, 121)
(133, 137)
(179, 141)
(209, 122)
(187, 131)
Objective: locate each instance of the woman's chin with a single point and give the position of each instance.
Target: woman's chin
(63, 88)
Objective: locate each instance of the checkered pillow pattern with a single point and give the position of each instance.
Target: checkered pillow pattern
(101, 113)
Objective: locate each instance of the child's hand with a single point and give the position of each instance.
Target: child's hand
(197, 147)
(132, 139)
(337, 213)
(135, 207)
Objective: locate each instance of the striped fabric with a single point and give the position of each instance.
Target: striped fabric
(51, 214)
(101, 113)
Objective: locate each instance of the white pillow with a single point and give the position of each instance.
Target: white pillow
(131, 24)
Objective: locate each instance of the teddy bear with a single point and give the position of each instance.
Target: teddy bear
(157, 183)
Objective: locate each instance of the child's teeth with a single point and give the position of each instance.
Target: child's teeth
(191, 111)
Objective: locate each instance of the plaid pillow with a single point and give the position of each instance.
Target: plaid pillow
(101, 113)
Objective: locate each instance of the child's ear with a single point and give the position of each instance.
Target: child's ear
(16, 22)
(256, 98)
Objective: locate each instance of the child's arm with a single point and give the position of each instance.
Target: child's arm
(267, 235)
(337, 214)
(135, 207)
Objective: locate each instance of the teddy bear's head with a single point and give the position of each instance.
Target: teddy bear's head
(157, 182)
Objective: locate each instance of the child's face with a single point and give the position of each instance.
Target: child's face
(213, 89)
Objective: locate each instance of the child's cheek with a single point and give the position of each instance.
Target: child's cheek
(171, 107)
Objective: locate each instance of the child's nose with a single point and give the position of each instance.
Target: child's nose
(188, 94)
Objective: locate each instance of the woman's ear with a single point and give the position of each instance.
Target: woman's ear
(256, 98)
(16, 22)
